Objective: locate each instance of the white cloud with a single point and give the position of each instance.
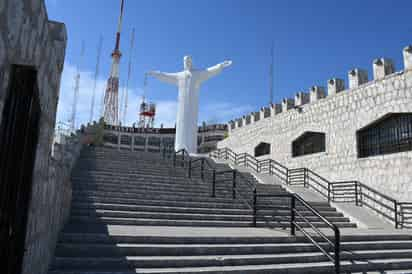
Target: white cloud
(220, 112)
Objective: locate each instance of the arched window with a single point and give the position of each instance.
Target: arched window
(390, 134)
(262, 149)
(308, 143)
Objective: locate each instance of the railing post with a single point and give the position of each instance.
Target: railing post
(234, 185)
(292, 215)
(174, 159)
(395, 204)
(254, 207)
(270, 167)
(202, 169)
(337, 251)
(304, 176)
(287, 176)
(235, 159)
(214, 184)
(226, 156)
(360, 194)
(328, 192)
(356, 194)
(245, 159)
(190, 169)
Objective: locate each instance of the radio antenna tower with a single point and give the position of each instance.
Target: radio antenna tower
(111, 97)
(96, 75)
(129, 74)
(272, 56)
(76, 91)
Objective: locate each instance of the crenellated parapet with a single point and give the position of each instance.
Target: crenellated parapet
(382, 68)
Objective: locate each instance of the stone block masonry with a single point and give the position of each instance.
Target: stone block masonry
(339, 115)
(28, 38)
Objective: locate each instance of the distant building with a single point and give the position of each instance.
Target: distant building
(154, 139)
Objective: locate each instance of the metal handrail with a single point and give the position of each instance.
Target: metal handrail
(354, 191)
(335, 244)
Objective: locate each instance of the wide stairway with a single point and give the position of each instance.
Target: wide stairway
(136, 213)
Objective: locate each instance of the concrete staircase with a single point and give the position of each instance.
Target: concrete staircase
(135, 213)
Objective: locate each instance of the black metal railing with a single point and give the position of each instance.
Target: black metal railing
(399, 213)
(329, 247)
(243, 189)
(405, 210)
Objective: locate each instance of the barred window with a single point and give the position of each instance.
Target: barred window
(262, 149)
(308, 143)
(154, 141)
(139, 141)
(214, 138)
(390, 134)
(110, 138)
(126, 140)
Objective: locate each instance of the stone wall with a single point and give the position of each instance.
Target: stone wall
(339, 115)
(27, 37)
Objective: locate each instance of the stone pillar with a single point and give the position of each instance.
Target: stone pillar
(244, 120)
(335, 85)
(238, 123)
(119, 140)
(357, 77)
(252, 117)
(262, 113)
(132, 136)
(229, 126)
(382, 67)
(287, 104)
(275, 109)
(301, 98)
(146, 143)
(316, 93)
(407, 57)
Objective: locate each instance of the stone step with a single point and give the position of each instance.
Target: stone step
(158, 202)
(128, 249)
(104, 238)
(153, 195)
(194, 216)
(125, 207)
(193, 189)
(292, 268)
(206, 222)
(221, 260)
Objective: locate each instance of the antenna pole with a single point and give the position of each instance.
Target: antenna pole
(271, 75)
(76, 91)
(96, 75)
(129, 74)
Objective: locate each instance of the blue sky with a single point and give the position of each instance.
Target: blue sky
(314, 41)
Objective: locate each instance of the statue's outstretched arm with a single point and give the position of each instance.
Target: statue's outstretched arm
(170, 78)
(215, 70)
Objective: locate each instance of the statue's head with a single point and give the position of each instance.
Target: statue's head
(187, 62)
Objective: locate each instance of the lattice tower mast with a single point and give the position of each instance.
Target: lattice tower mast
(111, 98)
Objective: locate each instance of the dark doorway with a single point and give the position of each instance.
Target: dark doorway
(262, 149)
(18, 140)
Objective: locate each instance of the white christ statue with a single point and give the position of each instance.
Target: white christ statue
(188, 82)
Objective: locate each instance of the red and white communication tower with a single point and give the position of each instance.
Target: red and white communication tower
(111, 97)
(147, 111)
